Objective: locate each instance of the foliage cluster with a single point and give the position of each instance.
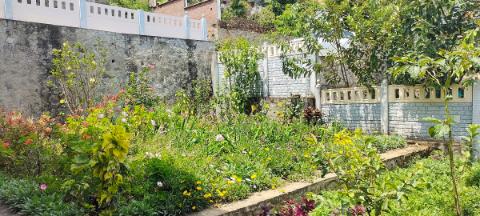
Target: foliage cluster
(364, 36)
(429, 195)
(240, 59)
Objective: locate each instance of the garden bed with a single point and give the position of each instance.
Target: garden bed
(183, 162)
(256, 203)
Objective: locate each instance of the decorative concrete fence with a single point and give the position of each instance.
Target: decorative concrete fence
(400, 109)
(90, 15)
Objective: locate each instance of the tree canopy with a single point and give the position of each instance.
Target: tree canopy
(376, 31)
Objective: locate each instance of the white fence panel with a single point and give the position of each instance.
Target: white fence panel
(2, 9)
(111, 18)
(196, 31)
(57, 12)
(164, 25)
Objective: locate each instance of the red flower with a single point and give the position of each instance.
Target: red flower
(28, 141)
(6, 145)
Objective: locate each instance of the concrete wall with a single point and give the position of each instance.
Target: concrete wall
(364, 116)
(280, 85)
(25, 56)
(407, 118)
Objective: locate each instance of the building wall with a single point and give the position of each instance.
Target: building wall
(207, 9)
(26, 55)
(173, 8)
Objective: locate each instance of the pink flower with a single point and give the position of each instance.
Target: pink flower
(6, 145)
(43, 187)
(151, 66)
(28, 141)
(219, 138)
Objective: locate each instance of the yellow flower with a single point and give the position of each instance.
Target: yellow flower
(207, 195)
(221, 193)
(253, 176)
(198, 182)
(186, 193)
(210, 201)
(199, 188)
(273, 187)
(194, 207)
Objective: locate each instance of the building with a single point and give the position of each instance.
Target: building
(210, 9)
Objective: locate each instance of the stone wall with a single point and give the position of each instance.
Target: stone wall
(407, 118)
(26, 55)
(365, 116)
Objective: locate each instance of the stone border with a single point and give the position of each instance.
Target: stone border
(253, 205)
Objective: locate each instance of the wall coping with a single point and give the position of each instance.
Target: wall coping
(256, 201)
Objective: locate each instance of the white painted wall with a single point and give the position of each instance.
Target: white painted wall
(102, 17)
(2, 9)
(58, 12)
(111, 18)
(168, 26)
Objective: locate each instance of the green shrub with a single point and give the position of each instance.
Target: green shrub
(27, 197)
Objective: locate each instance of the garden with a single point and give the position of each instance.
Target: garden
(131, 153)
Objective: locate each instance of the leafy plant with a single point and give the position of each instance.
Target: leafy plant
(78, 72)
(100, 151)
(139, 89)
(240, 59)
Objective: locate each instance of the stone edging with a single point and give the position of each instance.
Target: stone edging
(253, 205)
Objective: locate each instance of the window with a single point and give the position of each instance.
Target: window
(416, 94)
(37, 2)
(99, 10)
(373, 94)
(64, 5)
(71, 6)
(92, 9)
(397, 93)
(438, 93)
(106, 11)
(29, 1)
(461, 93)
(47, 3)
(55, 4)
(148, 18)
(113, 12)
(427, 93)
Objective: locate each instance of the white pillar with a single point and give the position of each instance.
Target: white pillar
(186, 22)
(141, 22)
(315, 87)
(204, 27)
(265, 71)
(384, 106)
(476, 117)
(83, 13)
(8, 9)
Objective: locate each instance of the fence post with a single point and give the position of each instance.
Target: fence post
(83, 13)
(265, 70)
(476, 117)
(186, 21)
(141, 22)
(8, 9)
(384, 106)
(204, 27)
